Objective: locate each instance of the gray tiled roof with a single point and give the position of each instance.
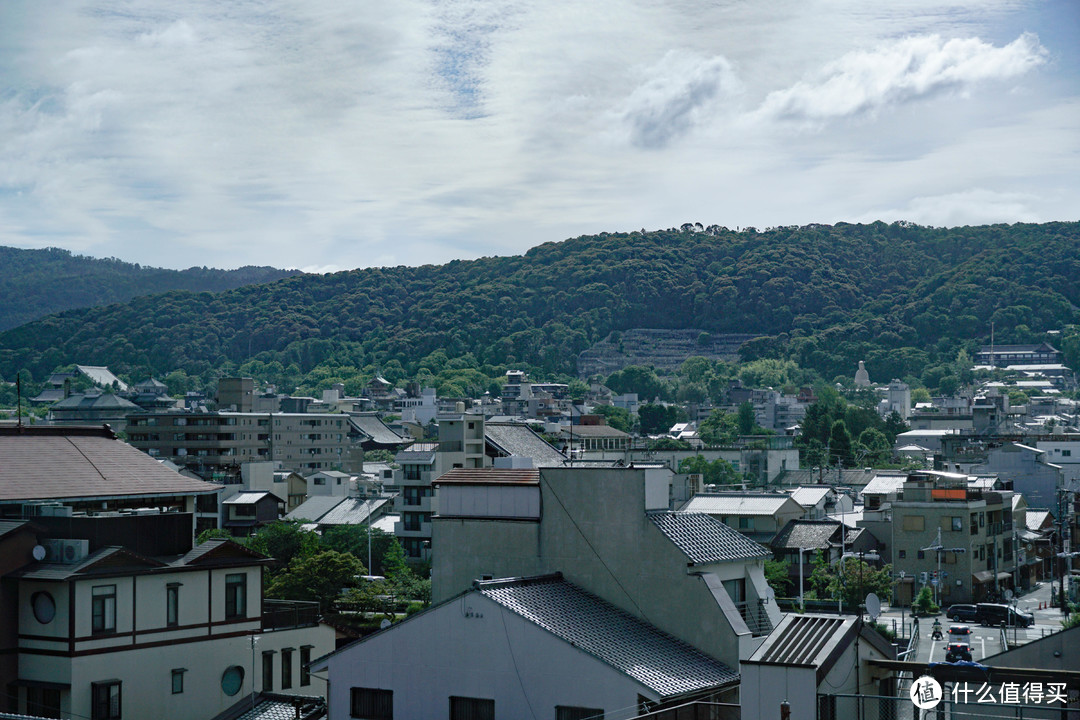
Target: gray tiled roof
(810, 496)
(274, 706)
(705, 539)
(806, 534)
(739, 503)
(521, 440)
(659, 661)
(420, 453)
(376, 429)
(314, 508)
(353, 511)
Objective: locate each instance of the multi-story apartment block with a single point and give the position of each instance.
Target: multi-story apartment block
(941, 523)
(214, 445)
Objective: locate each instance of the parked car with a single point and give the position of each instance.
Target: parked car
(959, 632)
(957, 651)
(995, 614)
(966, 613)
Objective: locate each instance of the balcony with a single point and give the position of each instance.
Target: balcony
(753, 613)
(418, 530)
(286, 614)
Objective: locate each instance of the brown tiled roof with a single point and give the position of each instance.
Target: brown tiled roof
(490, 476)
(63, 463)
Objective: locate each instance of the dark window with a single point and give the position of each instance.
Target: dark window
(172, 604)
(305, 658)
(903, 554)
(465, 708)
(922, 555)
(103, 609)
(106, 700)
(40, 702)
(268, 671)
(566, 712)
(372, 704)
(235, 596)
(178, 681)
(286, 668)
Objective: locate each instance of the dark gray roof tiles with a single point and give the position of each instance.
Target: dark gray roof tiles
(659, 661)
(521, 440)
(374, 428)
(705, 539)
(806, 534)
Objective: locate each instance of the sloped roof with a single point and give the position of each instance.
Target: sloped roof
(522, 441)
(738, 503)
(593, 431)
(352, 511)
(101, 375)
(884, 485)
(810, 496)
(374, 428)
(704, 539)
(314, 508)
(59, 463)
(95, 401)
(1036, 519)
(806, 534)
(220, 551)
(250, 497)
(663, 663)
(421, 453)
(103, 560)
(275, 706)
(816, 641)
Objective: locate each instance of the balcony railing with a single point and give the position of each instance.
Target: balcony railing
(753, 613)
(284, 614)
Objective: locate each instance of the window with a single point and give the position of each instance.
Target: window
(566, 712)
(103, 610)
(40, 702)
(305, 658)
(1066, 453)
(178, 680)
(286, 668)
(268, 671)
(372, 704)
(921, 555)
(902, 554)
(235, 596)
(232, 680)
(464, 708)
(958, 524)
(106, 700)
(913, 523)
(746, 523)
(172, 604)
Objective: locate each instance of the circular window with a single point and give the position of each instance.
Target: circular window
(232, 679)
(44, 607)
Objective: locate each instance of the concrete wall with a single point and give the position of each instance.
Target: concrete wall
(472, 647)
(596, 532)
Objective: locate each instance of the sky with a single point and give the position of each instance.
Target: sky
(328, 135)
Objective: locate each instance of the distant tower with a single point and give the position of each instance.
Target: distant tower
(862, 378)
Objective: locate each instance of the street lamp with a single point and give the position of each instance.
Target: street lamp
(938, 548)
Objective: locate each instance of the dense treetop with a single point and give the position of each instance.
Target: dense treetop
(36, 283)
(902, 297)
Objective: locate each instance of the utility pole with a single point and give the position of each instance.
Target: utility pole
(938, 548)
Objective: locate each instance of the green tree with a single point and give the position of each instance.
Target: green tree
(617, 417)
(668, 443)
(924, 602)
(657, 418)
(719, 428)
(850, 579)
(874, 447)
(717, 472)
(778, 576)
(284, 541)
(213, 534)
(840, 443)
(746, 419)
(319, 577)
(353, 539)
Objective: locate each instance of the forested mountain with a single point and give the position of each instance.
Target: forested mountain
(898, 296)
(36, 283)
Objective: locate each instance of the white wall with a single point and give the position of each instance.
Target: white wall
(473, 647)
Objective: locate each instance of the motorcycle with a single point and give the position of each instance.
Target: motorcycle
(936, 634)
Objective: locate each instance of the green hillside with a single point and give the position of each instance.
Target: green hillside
(898, 296)
(36, 283)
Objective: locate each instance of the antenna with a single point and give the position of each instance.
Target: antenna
(18, 393)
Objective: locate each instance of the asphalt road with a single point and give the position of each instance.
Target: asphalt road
(984, 641)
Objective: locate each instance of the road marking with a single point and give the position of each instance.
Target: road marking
(931, 658)
(982, 641)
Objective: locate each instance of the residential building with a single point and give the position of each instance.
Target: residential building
(214, 445)
(608, 531)
(757, 515)
(828, 539)
(236, 394)
(111, 633)
(516, 648)
(973, 529)
(1027, 470)
(1005, 355)
(246, 512)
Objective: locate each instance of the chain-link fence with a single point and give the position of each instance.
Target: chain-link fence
(865, 707)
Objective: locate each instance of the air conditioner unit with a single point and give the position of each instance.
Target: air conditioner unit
(55, 510)
(66, 552)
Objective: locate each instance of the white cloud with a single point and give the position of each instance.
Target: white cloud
(906, 69)
(678, 93)
(977, 206)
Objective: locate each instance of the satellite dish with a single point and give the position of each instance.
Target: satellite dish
(384, 624)
(873, 606)
(39, 552)
(1008, 594)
